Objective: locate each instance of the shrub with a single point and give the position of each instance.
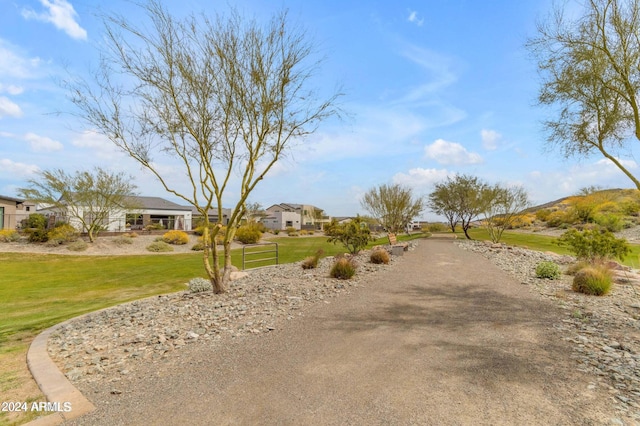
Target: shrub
(436, 227)
(560, 217)
(293, 234)
(78, 245)
(154, 227)
(276, 231)
(175, 237)
(593, 280)
(38, 235)
(199, 246)
(354, 235)
(198, 285)
(343, 269)
(36, 220)
(63, 233)
(311, 262)
(311, 232)
(9, 235)
(576, 267)
(594, 245)
(609, 221)
(303, 232)
(548, 270)
(159, 247)
(122, 240)
(248, 234)
(379, 256)
(290, 230)
(130, 235)
(543, 214)
(629, 207)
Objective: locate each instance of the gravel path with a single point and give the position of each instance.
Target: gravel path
(441, 337)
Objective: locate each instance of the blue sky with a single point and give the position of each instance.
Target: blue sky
(432, 88)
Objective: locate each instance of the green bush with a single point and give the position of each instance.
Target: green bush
(354, 235)
(576, 267)
(38, 235)
(379, 256)
(276, 231)
(248, 234)
(290, 230)
(175, 237)
(35, 220)
(199, 246)
(543, 214)
(593, 280)
(609, 221)
(560, 217)
(63, 233)
(159, 247)
(594, 245)
(9, 235)
(78, 245)
(548, 270)
(343, 269)
(198, 285)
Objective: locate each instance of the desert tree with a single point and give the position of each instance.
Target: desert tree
(461, 199)
(92, 199)
(591, 79)
(502, 206)
(223, 97)
(393, 205)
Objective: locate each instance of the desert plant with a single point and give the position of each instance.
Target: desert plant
(122, 240)
(594, 245)
(593, 280)
(199, 246)
(379, 256)
(354, 235)
(159, 247)
(343, 268)
(9, 235)
(276, 231)
(175, 237)
(248, 234)
(576, 267)
(79, 245)
(436, 227)
(35, 220)
(311, 262)
(62, 233)
(290, 230)
(548, 269)
(610, 221)
(303, 232)
(294, 234)
(198, 285)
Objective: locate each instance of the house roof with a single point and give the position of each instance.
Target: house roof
(212, 212)
(155, 203)
(16, 200)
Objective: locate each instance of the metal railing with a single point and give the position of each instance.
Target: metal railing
(246, 253)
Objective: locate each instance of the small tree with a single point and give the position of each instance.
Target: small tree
(87, 198)
(443, 201)
(393, 205)
(502, 207)
(212, 95)
(594, 245)
(354, 235)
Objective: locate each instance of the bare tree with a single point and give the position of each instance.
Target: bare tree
(590, 75)
(89, 199)
(393, 205)
(216, 95)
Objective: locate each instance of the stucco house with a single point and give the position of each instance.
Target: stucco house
(145, 211)
(298, 216)
(9, 207)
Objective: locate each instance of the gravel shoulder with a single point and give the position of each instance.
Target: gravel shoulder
(441, 336)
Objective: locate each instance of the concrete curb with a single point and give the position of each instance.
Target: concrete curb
(53, 384)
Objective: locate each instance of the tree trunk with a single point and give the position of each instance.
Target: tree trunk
(213, 272)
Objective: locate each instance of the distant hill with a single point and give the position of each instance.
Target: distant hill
(614, 194)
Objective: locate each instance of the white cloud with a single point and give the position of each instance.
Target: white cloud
(439, 73)
(413, 17)
(548, 186)
(42, 143)
(9, 108)
(12, 169)
(451, 153)
(490, 139)
(99, 144)
(61, 14)
(11, 89)
(16, 64)
(421, 179)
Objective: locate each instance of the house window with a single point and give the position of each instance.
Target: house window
(134, 221)
(28, 208)
(289, 223)
(1, 217)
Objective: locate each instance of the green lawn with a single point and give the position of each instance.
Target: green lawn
(543, 243)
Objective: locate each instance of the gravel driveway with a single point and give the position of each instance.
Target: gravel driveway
(447, 339)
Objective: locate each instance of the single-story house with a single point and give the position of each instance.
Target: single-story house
(213, 216)
(144, 211)
(9, 208)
